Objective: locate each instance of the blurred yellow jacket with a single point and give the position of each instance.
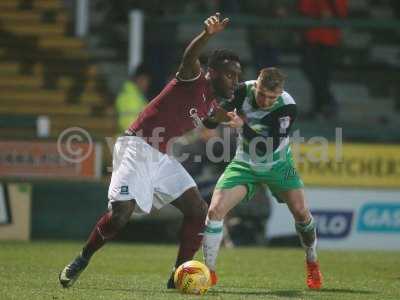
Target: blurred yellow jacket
(130, 102)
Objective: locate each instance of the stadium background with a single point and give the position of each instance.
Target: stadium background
(63, 63)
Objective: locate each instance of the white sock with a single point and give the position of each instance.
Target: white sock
(213, 234)
(308, 235)
(311, 252)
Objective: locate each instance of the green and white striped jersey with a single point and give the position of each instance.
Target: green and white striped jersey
(264, 139)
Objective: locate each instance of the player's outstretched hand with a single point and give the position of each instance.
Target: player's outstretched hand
(236, 121)
(214, 24)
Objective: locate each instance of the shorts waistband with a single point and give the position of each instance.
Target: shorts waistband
(129, 132)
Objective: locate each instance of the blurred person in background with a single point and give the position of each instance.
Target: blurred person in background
(132, 98)
(265, 42)
(320, 47)
(207, 6)
(160, 40)
(396, 9)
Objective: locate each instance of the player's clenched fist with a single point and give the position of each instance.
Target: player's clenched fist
(235, 120)
(214, 24)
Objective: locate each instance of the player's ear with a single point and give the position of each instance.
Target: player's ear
(255, 86)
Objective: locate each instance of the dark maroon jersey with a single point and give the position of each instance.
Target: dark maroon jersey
(179, 108)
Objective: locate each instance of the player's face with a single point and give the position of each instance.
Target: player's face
(143, 83)
(226, 78)
(265, 97)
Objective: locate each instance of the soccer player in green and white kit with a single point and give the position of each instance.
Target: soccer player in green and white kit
(265, 113)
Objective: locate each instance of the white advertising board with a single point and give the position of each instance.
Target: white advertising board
(346, 218)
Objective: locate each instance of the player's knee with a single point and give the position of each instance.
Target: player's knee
(119, 220)
(191, 204)
(121, 213)
(203, 209)
(198, 209)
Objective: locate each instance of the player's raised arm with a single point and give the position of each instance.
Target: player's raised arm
(190, 65)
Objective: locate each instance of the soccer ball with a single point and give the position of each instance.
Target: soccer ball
(192, 277)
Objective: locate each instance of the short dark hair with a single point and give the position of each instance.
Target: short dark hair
(220, 56)
(142, 69)
(272, 78)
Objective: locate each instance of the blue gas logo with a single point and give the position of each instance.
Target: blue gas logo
(379, 217)
(333, 224)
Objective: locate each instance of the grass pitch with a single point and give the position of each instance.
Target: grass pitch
(131, 271)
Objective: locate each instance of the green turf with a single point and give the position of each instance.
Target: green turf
(130, 271)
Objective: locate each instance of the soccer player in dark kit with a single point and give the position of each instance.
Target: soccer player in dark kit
(144, 175)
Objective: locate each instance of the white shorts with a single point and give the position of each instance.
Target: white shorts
(143, 173)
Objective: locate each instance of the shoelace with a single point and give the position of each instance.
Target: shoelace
(313, 274)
